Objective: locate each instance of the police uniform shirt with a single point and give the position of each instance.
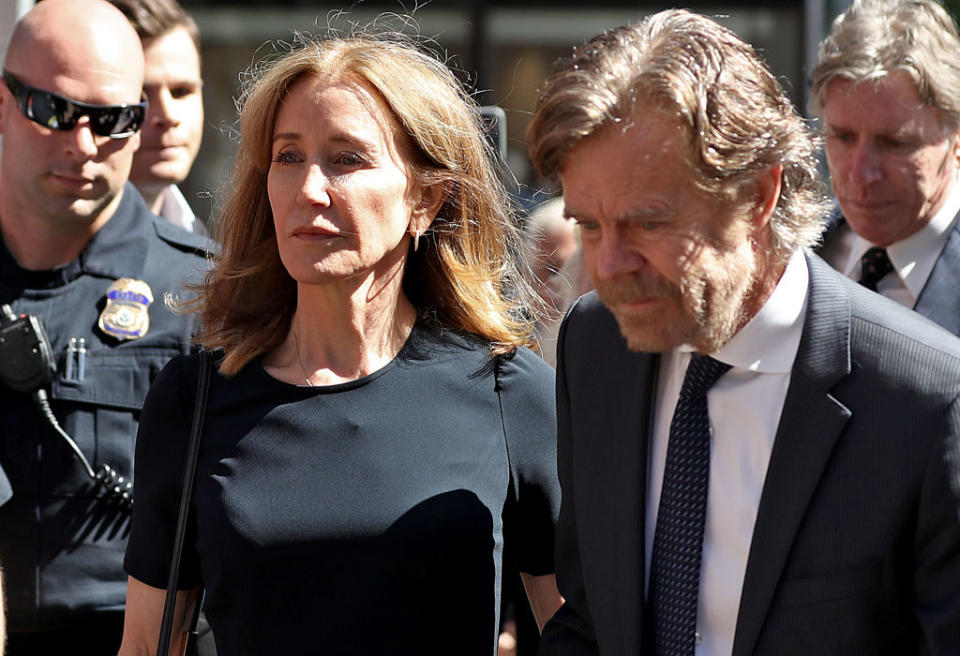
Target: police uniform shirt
(61, 538)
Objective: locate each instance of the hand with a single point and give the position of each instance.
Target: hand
(507, 643)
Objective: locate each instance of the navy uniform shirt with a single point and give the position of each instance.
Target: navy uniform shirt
(62, 539)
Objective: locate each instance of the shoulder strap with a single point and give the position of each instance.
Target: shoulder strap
(181, 239)
(189, 477)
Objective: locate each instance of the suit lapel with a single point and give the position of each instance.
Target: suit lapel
(810, 425)
(618, 502)
(939, 300)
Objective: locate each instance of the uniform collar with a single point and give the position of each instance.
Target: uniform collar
(117, 250)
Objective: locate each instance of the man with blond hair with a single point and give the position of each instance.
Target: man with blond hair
(757, 456)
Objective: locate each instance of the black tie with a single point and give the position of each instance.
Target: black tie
(678, 539)
(874, 265)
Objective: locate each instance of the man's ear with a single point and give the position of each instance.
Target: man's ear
(428, 205)
(767, 195)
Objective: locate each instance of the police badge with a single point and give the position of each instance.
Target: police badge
(125, 316)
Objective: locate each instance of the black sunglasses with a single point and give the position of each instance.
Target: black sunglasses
(59, 113)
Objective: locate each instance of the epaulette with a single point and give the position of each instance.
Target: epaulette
(183, 240)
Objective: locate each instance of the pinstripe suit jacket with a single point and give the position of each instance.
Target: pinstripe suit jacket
(939, 299)
(856, 547)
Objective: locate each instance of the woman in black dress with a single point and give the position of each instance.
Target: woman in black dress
(376, 427)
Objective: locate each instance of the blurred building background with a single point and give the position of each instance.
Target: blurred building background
(502, 49)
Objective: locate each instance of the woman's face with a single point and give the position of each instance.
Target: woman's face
(341, 194)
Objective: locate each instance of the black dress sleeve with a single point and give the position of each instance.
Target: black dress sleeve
(158, 471)
(528, 409)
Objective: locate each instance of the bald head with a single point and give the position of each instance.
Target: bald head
(60, 184)
(63, 42)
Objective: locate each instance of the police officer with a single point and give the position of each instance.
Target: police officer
(81, 252)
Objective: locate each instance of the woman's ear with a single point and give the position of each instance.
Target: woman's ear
(428, 206)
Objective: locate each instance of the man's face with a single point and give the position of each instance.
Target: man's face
(668, 261)
(174, 127)
(553, 248)
(892, 161)
(71, 175)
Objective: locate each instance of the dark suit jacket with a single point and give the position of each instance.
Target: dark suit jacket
(939, 299)
(856, 548)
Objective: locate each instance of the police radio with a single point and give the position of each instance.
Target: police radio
(27, 365)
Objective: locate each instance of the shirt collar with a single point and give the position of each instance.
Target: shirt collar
(913, 258)
(770, 340)
(175, 208)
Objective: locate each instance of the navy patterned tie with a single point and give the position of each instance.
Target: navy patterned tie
(874, 265)
(678, 539)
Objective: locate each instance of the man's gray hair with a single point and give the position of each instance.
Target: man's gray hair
(738, 121)
(876, 38)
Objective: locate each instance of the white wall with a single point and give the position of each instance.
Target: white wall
(10, 11)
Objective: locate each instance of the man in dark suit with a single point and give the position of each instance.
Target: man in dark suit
(887, 88)
(757, 455)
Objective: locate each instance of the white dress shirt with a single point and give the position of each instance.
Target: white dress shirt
(744, 408)
(913, 258)
(176, 210)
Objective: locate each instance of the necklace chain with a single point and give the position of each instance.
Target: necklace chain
(303, 370)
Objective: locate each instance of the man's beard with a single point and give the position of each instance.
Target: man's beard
(705, 310)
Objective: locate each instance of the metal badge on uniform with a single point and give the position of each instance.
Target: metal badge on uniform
(125, 316)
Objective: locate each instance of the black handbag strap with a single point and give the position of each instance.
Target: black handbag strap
(189, 477)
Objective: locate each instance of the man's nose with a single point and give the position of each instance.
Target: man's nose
(161, 109)
(613, 258)
(865, 168)
(81, 141)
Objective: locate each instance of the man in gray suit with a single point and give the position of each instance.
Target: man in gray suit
(887, 88)
(757, 455)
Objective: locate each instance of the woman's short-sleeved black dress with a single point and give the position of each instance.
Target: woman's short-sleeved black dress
(364, 518)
